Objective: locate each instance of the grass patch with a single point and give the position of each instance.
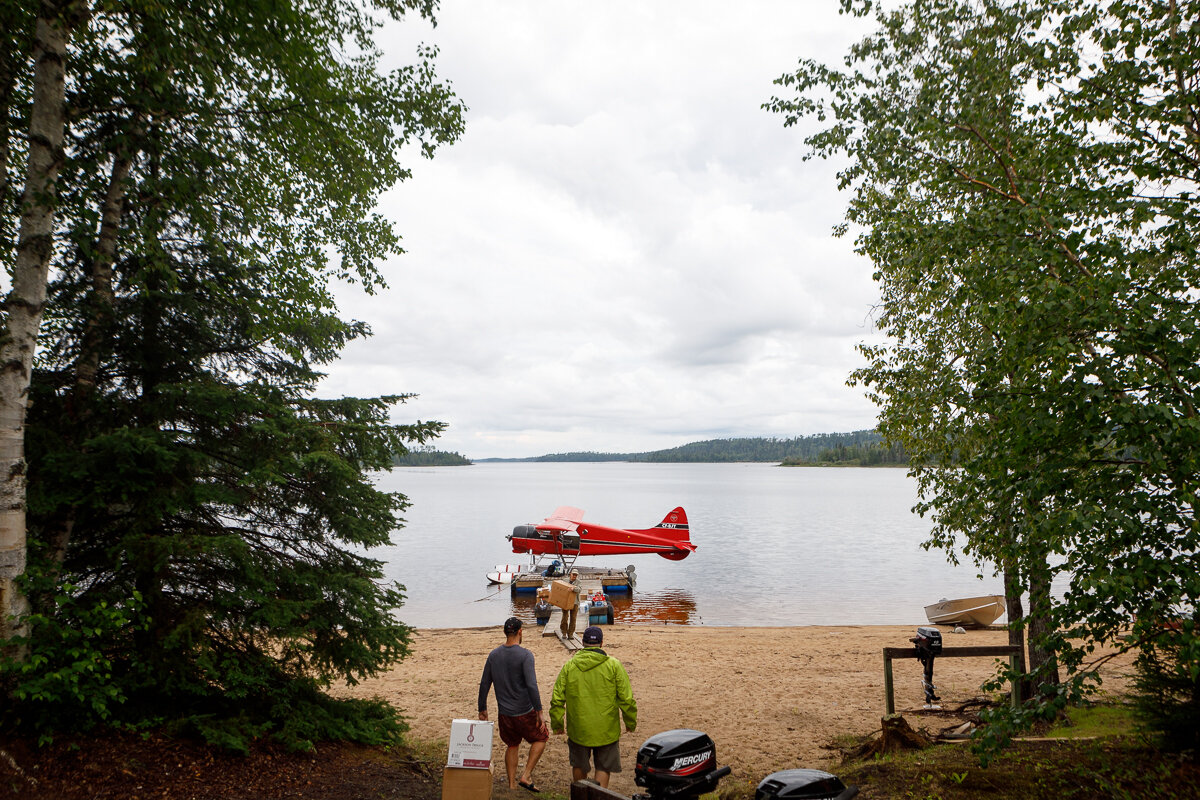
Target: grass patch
(432, 754)
(1095, 721)
(1119, 767)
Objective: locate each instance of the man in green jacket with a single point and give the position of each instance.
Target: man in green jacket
(593, 688)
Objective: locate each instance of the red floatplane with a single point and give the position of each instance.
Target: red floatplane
(565, 534)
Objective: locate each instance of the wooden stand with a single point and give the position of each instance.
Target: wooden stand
(889, 653)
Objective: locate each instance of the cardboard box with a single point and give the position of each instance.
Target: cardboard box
(470, 744)
(459, 783)
(562, 594)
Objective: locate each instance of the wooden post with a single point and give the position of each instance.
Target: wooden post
(889, 701)
(1015, 693)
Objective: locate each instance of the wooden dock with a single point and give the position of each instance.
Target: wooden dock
(591, 579)
(608, 580)
(554, 628)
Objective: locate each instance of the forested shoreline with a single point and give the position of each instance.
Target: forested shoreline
(856, 447)
(430, 458)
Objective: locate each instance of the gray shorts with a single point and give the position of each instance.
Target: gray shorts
(608, 756)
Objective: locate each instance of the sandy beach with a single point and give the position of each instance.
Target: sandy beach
(769, 697)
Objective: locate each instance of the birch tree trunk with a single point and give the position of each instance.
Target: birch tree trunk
(24, 304)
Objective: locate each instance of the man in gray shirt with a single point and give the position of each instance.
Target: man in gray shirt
(510, 669)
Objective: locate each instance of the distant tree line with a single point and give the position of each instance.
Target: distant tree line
(798, 450)
(872, 454)
(428, 457)
(802, 449)
(589, 456)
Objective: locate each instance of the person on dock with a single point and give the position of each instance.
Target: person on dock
(569, 615)
(519, 704)
(593, 690)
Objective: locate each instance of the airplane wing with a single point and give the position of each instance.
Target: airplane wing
(564, 518)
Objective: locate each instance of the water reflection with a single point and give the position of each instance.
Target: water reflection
(665, 607)
(669, 606)
(776, 546)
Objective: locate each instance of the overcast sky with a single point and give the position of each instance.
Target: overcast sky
(624, 252)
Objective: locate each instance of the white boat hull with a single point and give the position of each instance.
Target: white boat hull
(976, 611)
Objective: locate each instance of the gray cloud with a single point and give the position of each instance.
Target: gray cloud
(624, 252)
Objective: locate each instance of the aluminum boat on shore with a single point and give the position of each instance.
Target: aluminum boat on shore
(974, 611)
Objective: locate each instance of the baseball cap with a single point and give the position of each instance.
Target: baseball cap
(511, 626)
(593, 635)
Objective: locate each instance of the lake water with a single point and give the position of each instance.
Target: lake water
(776, 545)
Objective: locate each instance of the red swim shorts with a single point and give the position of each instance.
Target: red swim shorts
(529, 727)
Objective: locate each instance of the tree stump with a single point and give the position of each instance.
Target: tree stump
(897, 735)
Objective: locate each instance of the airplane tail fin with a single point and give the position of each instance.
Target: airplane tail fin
(673, 526)
(674, 529)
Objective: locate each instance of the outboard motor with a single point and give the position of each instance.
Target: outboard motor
(679, 764)
(929, 645)
(803, 784)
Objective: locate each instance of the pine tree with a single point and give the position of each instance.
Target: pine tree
(199, 521)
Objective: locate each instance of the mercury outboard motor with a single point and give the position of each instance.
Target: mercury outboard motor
(929, 646)
(803, 784)
(679, 764)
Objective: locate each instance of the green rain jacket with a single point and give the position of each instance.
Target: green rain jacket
(594, 689)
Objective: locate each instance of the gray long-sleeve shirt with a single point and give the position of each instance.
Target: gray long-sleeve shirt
(510, 669)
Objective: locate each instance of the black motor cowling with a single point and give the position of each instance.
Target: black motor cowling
(678, 764)
(803, 784)
(928, 640)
